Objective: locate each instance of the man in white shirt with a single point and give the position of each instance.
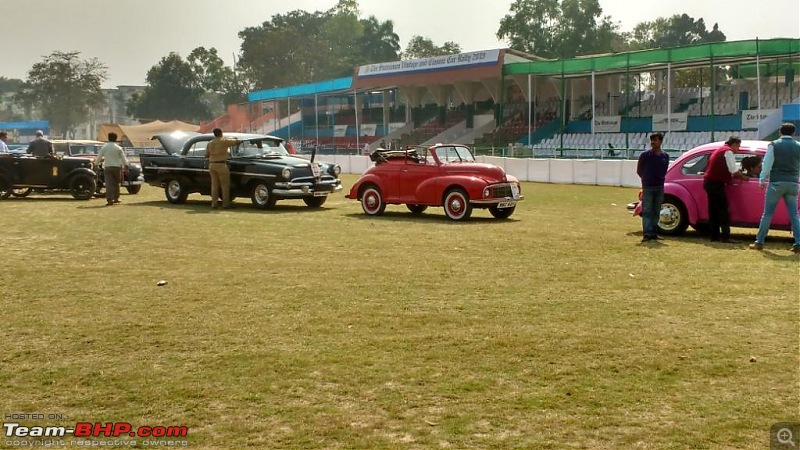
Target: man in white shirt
(3, 140)
(113, 158)
(721, 169)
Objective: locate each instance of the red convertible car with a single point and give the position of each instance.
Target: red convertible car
(442, 175)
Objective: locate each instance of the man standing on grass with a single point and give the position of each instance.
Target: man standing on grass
(652, 169)
(113, 158)
(720, 171)
(217, 154)
(781, 169)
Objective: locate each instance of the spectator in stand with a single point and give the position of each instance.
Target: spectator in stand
(652, 169)
(720, 171)
(782, 170)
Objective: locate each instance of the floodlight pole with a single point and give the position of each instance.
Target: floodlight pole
(669, 97)
(593, 112)
(529, 112)
(358, 129)
(758, 80)
(316, 119)
(711, 83)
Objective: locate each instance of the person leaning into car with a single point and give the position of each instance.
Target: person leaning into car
(652, 169)
(40, 146)
(113, 159)
(720, 171)
(217, 154)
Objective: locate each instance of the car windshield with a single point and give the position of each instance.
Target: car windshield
(261, 147)
(84, 149)
(454, 154)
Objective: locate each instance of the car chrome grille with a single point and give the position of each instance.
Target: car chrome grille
(501, 190)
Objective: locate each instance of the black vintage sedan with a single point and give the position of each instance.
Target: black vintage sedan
(261, 168)
(19, 174)
(132, 179)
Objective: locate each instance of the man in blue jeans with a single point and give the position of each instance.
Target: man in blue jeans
(652, 169)
(782, 169)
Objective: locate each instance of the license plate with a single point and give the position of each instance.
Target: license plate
(515, 191)
(315, 170)
(507, 204)
(320, 194)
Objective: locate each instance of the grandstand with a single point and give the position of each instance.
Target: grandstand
(597, 106)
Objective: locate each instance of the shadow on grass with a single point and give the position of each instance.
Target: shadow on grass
(204, 207)
(406, 216)
(745, 239)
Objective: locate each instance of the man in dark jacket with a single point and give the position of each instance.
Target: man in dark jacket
(40, 146)
(652, 169)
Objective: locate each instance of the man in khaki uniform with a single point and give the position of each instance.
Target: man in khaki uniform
(217, 154)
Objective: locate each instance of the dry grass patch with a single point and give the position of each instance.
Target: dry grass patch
(299, 328)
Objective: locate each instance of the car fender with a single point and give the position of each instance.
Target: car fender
(432, 191)
(682, 194)
(79, 171)
(366, 179)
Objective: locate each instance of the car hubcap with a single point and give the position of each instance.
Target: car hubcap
(174, 189)
(456, 205)
(262, 194)
(371, 201)
(669, 216)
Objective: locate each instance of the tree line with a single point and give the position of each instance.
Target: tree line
(301, 47)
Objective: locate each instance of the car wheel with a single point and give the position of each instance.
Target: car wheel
(372, 202)
(261, 196)
(315, 202)
(175, 192)
(82, 187)
(21, 192)
(5, 187)
(501, 213)
(416, 209)
(672, 219)
(133, 190)
(456, 204)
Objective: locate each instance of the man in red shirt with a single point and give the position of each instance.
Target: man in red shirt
(721, 169)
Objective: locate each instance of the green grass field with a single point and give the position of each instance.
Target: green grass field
(300, 328)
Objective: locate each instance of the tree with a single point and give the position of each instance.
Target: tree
(379, 42)
(215, 77)
(422, 47)
(173, 91)
(675, 31)
(678, 30)
(65, 89)
(301, 47)
(559, 28)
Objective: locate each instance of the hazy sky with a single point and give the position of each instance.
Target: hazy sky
(130, 36)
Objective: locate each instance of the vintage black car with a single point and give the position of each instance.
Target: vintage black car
(260, 167)
(132, 178)
(19, 174)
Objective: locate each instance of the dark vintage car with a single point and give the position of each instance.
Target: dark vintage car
(19, 174)
(442, 175)
(132, 179)
(260, 167)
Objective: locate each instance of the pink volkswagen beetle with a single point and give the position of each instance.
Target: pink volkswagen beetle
(686, 203)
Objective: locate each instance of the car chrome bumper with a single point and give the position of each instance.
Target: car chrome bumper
(492, 201)
(305, 189)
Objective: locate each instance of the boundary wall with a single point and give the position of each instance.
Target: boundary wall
(617, 172)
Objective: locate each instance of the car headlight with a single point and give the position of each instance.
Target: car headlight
(286, 173)
(336, 170)
(486, 192)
